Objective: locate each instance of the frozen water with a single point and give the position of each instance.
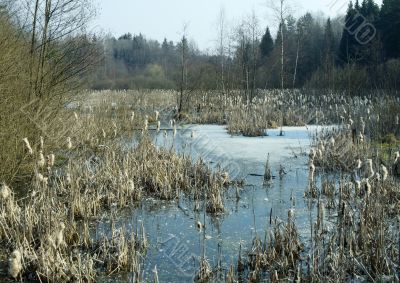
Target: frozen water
(176, 243)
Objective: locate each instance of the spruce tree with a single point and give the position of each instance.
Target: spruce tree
(349, 46)
(267, 44)
(389, 25)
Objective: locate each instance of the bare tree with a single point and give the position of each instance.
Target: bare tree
(183, 68)
(281, 10)
(253, 27)
(60, 49)
(243, 60)
(221, 47)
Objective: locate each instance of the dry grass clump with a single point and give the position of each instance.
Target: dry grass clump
(204, 274)
(363, 242)
(276, 257)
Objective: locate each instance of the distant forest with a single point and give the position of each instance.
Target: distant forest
(360, 51)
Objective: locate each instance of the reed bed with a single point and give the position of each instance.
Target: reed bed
(108, 162)
(371, 115)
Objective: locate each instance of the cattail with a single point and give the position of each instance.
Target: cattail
(267, 172)
(225, 177)
(358, 164)
(132, 116)
(158, 126)
(275, 277)
(155, 274)
(360, 137)
(362, 126)
(39, 177)
(28, 146)
(312, 154)
(15, 264)
(69, 143)
(332, 142)
(366, 185)
(5, 192)
(369, 171)
(311, 174)
(358, 185)
(51, 160)
(41, 143)
(320, 154)
(59, 236)
(384, 172)
(321, 215)
(290, 215)
(41, 161)
(68, 179)
(45, 181)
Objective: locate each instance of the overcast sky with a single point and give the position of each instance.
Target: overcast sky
(157, 19)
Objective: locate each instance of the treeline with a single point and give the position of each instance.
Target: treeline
(358, 52)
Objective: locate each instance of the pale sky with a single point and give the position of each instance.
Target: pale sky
(157, 19)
